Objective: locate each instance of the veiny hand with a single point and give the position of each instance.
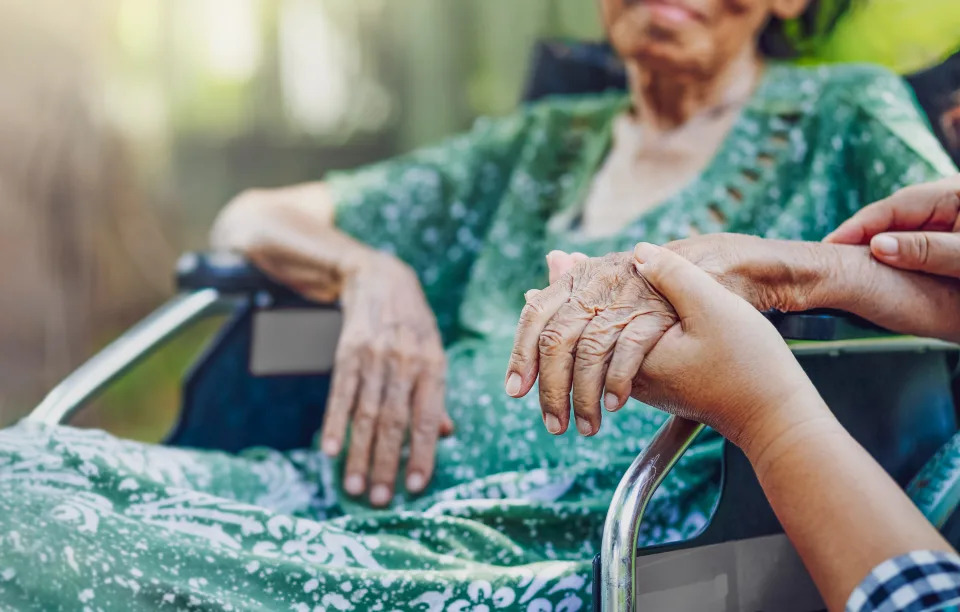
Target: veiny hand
(917, 228)
(567, 333)
(390, 366)
(721, 363)
(389, 378)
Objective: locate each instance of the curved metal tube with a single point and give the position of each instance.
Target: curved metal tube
(618, 552)
(124, 352)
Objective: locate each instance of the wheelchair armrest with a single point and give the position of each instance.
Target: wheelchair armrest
(228, 273)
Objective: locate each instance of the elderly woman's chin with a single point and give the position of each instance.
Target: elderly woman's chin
(659, 45)
(664, 51)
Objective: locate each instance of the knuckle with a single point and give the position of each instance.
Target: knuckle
(551, 341)
(393, 423)
(364, 419)
(425, 429)
(592, 348)
(632, 340)
(922, 249)
(436, 361)
(519, 359)
(554, 398)
(398, 389)
(372, 352)
(534, 308)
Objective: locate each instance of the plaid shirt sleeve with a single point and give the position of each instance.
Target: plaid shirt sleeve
(916, 582)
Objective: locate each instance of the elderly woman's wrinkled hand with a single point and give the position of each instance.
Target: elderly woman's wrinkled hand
(567, 334)
(389, 379)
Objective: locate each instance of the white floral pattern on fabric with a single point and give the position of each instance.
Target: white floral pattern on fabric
(513, 515)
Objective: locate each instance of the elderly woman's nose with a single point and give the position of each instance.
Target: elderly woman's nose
(560, 262)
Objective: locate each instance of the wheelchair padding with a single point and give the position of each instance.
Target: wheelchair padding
(225, 407)
(899, 406)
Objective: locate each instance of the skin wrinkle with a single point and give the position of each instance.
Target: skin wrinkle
(602, 302)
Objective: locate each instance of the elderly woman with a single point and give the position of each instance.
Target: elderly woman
(429, 255)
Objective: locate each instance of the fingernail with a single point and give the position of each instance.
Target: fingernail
(513, 384)
(611, 402)
(642, 251)
(584, 426)
(885, 245)
(415, 482)
(380, 495)
(353, 484)
(331, 447)
(552, 423)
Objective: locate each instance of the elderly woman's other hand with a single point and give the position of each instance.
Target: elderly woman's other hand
(388, 379)
(917, 228)
(567, 333)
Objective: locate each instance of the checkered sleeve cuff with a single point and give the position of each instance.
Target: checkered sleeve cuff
(916, 582)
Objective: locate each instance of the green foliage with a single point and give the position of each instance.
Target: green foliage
(903, 35)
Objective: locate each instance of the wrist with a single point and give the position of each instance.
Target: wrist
(801, 420)
(792, 276)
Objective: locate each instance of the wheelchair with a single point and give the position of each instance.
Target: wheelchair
(264, 378)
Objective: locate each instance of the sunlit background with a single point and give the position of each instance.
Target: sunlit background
(126, 124)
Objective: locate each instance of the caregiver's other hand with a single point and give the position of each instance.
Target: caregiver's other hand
(722, 363)
(917, 228)
(567, 333)
(389, 379)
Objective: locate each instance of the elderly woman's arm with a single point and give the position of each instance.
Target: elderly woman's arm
(394, 241)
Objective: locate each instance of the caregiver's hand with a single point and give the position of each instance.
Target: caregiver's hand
(567, 333)
(721, 363)
(917, 228)
(724, 365)
(390, 365)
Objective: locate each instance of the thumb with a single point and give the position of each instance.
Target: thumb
(446, 425)
(690, 290)
(931, 252)
(559, 263)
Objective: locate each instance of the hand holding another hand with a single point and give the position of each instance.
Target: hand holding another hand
(917, 228)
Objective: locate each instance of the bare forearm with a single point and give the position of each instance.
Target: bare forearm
(843, 513)
(290, 234)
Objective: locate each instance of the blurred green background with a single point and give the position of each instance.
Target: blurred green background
(126, 124)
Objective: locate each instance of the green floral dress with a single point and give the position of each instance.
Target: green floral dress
(513, 516)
